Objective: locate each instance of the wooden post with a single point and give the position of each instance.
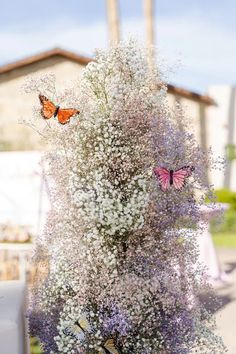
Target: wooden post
(113, 22)
(150, 32)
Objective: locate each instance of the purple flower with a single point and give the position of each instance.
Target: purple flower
(44, 327)
(114, 321)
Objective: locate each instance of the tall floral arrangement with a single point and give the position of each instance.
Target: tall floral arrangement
(117, 272)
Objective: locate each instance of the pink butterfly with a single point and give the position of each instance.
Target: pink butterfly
(177, 178)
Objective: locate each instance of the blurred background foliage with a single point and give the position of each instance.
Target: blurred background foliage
(228, 221)
(224, 228)
(35, 346)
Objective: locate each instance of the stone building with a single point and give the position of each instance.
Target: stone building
(67, 67)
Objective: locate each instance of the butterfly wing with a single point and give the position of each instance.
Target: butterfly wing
(74, 331)
(84, 324)
(48, 108)
(180, 175)
(163, 176)
(101, 351)
(111, 347)
(79, 328)
(64, 115)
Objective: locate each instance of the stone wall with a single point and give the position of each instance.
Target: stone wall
(16, 106)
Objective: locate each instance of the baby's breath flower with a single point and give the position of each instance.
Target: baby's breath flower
(116, 261)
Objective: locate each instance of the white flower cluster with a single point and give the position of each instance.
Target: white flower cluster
(69, 316)
(103, 205)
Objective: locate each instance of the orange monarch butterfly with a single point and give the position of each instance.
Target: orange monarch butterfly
(50, 110)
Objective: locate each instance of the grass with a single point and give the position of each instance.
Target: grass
(225, 239)
(34, 346)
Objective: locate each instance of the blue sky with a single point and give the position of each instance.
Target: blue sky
(196, 38)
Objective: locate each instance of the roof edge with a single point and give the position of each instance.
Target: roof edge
(44, 55)
(57, 51)
(192, 95)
